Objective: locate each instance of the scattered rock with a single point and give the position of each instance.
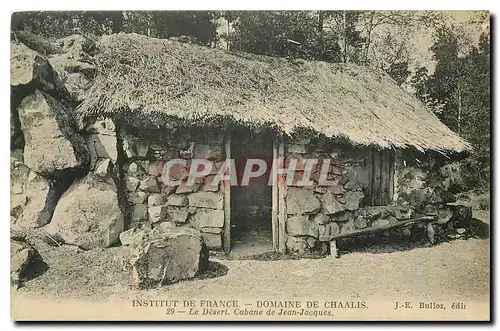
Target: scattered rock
(169, 255)
(462, 215)
(335, 189)
(74, 64)
(132, 168)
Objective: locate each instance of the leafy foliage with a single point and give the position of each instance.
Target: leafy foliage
(162, 24)
(293, 34)
(459, 92)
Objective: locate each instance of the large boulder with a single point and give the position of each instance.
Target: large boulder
(88, 215)
(51, 142)
(25, 262)
(33, 198)
(169, 255)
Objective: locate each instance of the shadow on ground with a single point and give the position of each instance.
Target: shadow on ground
(215, 269)
(378, 243)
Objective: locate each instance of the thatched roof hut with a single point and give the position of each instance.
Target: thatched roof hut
(164, 80)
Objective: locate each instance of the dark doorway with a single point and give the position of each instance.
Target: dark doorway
(251, 205)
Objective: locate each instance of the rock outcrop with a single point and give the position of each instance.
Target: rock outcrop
(51, 142)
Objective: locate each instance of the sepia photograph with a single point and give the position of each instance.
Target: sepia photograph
(226, 165)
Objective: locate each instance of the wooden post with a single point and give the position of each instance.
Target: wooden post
(281, 200)
(333, 249)
(275, 211)
(227, 199)
(391, 176)
(369, 165)
(431, 233)
(385, 157)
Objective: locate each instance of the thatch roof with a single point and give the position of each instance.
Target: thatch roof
(165, 79)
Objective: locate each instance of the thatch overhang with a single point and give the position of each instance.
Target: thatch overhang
(165, 80)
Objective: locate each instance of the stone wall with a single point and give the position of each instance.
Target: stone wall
(150, 199)
(315, 212)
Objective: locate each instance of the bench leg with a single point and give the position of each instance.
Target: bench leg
(333, 249)
(431, 233)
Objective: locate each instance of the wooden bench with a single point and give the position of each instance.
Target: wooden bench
(411, 221)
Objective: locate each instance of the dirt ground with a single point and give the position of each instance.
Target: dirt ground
(454, 270)
(458, 269)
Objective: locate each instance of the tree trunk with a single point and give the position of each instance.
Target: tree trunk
(345, 36)
(369, 32)
(459, 108)
(117, 18)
